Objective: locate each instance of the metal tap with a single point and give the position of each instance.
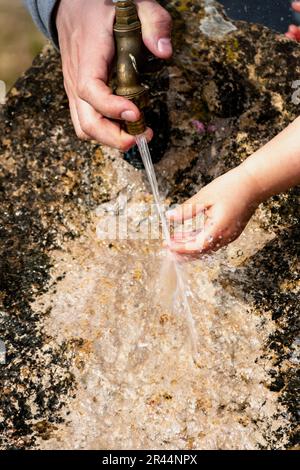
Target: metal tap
(128, 38)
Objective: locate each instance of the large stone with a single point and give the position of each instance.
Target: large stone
(94, 358)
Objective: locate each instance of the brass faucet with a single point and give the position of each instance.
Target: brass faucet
(128, 38)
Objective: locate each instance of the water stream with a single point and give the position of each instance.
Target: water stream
(136, 383)
(182, 290)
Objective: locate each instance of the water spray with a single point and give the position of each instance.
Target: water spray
(129, 46)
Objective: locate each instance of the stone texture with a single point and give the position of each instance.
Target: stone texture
(93, 360)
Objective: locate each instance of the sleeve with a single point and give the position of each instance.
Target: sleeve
(43, 14)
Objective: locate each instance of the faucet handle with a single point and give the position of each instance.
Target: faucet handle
(129, 46)
(126, 15)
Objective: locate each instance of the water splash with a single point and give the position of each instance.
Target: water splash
(172, 269)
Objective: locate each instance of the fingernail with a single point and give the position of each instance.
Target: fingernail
(164, 46)
(129, 116)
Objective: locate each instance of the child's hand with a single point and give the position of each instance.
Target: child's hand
(294, 31)
(228, 202)
(85, 32)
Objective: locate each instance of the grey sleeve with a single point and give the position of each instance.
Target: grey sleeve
(42, 12)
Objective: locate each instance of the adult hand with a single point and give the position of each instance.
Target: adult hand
(85, 33)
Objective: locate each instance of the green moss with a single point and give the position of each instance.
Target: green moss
(232, 48)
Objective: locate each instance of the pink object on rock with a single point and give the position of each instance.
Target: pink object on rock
(199, 126)
(211, 128)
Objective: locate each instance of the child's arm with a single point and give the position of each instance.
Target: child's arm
(276, 166)
(230, 200)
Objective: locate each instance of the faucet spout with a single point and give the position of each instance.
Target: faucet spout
(128, 38)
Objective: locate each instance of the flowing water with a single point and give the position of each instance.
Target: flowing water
(137, 385)
(181, 289)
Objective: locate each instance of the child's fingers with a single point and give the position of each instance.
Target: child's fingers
(184, 236)
(293, 32)
(203, 242)
(297, 34)
(292, 29)
(296, 6)
(290, 35)
(187, 210)
(184, 212)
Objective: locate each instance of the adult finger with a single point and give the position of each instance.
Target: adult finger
(74, 115)
(92, 77)
(98, 95)
(156, 28)
(103, 130)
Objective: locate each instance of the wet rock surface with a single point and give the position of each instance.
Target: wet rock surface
(92, 362)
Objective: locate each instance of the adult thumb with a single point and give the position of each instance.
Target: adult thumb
(156, 28)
